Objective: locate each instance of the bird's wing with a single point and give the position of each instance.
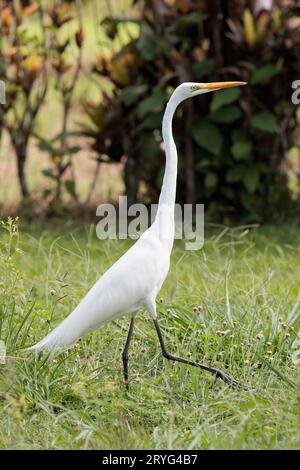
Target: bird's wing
(123, 288)
(131, 279)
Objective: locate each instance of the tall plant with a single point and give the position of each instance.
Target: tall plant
(66, 64)
(34, 55)
(23, 69)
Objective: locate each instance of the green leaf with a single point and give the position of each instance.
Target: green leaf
(224, 97)
(241, 150)
(264, 74)
(202, 159)
(251, 178)
(71, 150)
(48, 172)
(211, 180)
(227, 115)
(207, 136)
(46, 147)
(152, 103)
(204, 68)
(70, 187)
(131, 94)
(265, 121)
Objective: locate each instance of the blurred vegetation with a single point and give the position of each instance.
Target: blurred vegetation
(238, 149)
(233, 144)
(34, 56)
(22, 63)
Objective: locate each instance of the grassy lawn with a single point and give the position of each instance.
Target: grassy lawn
(78, 399)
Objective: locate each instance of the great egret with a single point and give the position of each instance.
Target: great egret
(134, 281)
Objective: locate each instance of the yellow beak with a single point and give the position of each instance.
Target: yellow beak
(218, 85)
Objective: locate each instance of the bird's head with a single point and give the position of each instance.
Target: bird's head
(190, 89)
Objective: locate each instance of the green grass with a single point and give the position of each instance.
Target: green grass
(78, 399)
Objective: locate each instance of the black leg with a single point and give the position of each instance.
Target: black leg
(125, 355)
(218, 373)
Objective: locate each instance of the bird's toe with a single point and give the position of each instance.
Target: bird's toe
(231, 382)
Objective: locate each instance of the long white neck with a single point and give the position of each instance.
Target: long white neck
(168, 190)
(165, 218)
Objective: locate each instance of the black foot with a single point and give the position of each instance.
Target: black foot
(230, 381)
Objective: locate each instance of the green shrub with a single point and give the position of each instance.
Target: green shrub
(232, 145)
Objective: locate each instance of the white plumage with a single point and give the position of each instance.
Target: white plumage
(134, 281)
(128, 285)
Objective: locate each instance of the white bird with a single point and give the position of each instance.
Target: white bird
(133, 282)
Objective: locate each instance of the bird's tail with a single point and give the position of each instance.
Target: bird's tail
(54, 342)
(77, 323)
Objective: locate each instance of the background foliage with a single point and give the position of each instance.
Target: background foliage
(232, 145)
(238, 149)
(35, 56)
